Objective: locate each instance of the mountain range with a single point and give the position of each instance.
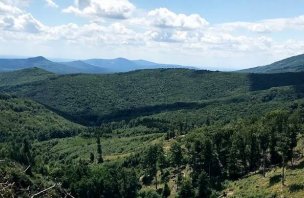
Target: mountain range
(100, 66)
(90, 66)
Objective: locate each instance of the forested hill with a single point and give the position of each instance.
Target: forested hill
(24, 76)
(292, 64)
(184, 133)
(21, 118)
(93, 98)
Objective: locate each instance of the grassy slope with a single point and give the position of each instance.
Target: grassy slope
(76, 148)
(257, 186)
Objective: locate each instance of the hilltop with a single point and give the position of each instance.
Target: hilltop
(292, 64)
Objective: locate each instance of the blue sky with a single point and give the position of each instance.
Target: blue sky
(217, 34)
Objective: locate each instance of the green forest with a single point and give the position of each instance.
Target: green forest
(151, 133)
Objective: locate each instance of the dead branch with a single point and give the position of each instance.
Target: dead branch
(43, 191)
(67, 194)
(29, 166)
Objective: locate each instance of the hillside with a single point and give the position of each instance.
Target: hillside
(94, 98)
(26, 118)
(292, 64)
(23, 76)
(149, 129)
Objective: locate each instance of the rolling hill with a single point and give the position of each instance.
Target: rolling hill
(292, 64)
(92, 99)
(24, 76)
(207, 119)
(26, 118)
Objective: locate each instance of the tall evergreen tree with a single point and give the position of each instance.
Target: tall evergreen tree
(204, 185)
(150, 162)
(99, 151)
(176, 154)
(186, 190)
(166, 191)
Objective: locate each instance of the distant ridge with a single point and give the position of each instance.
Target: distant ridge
(39, 62)
(292, 64)
(91, 66)
(83, 67)
(125, 65)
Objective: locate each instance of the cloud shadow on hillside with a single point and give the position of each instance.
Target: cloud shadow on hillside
(266, 81)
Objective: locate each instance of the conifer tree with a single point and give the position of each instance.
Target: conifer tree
(99, 151)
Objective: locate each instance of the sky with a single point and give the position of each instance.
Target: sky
(219, 34)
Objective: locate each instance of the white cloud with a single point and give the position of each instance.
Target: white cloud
(8, 9)
(161, 32)
(116, 9)
(163, 17)
(13, 18)
(51, 4)
(21, 23)
(267, 26)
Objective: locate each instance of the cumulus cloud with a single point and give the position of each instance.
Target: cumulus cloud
(160, 30)
(51, 4)
(13, 18)
(21, 23)
(116, 9)
(8, 9)
(163, 17)
(267, 26)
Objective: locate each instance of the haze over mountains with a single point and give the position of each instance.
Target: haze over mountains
(91, 66)
(99, 66)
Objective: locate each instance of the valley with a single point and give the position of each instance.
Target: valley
(151, 133)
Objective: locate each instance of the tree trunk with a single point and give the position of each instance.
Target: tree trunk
(156, 180)
(292, 157)
(264, 164)
(283, 172)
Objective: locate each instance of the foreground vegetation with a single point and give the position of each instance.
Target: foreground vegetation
(189, 134)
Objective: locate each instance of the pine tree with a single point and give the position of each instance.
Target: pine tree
(150, 162)
(92, 157)
(264, 139)
(166, 191)
(176, 155)
(204, 185)
(186, 190)
(99, 151)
